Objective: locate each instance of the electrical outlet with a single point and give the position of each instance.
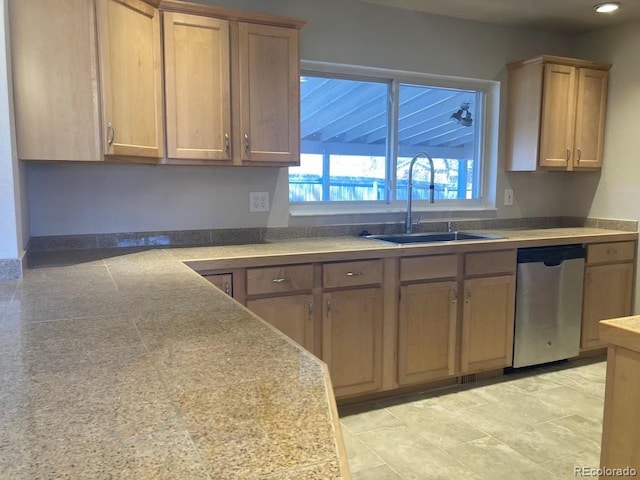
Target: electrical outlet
(508, 197)
(259, 201)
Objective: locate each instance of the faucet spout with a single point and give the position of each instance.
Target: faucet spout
(409, 221)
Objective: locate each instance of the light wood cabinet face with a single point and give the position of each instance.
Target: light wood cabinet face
(197, 84)
(558, 116)
(292, 315)
(223, 281)
(129, 41)
(591, 106)
(427, 332)
(57, 110)
(620, 433)
(607, 294)
(487, 323)
(352, 339)
(610, 252)
(349, 274)
(269, 93)
(283, 279)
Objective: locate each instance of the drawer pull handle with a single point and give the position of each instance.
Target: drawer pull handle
(612, 251)
(111, 133)
(353, 274)
(281, 280)
(568, 154)
(579, 154)
(227, 288)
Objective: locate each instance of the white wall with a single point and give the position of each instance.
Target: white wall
(12, 234)
(617, 193)
(68, 199)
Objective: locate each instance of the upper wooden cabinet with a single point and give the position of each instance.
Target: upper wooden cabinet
(88, 82)
(269, 93)
(131, 71)
(198, 87)
(555, 114)
(55, 80)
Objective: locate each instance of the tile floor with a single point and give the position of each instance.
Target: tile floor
(533, 424)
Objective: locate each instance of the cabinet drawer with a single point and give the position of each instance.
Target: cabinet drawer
(345, 274)
(287, 278)
(429, 267)
(610, 252)
(488, 263)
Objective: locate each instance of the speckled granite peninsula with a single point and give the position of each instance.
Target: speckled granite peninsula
(127, 364)
(133, 366)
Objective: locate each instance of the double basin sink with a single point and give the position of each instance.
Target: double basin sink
(431, 237)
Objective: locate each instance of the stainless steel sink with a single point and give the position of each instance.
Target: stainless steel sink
(430, 237)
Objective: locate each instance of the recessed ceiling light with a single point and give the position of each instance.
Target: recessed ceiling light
(607, 7)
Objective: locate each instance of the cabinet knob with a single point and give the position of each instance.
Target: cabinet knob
(111, 134)
(612, 251)
(280, 280)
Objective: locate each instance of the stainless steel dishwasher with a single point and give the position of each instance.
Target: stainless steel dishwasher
(548, 304)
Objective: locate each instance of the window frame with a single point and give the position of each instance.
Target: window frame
(487, 142)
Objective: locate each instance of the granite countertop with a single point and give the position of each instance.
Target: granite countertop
(133, 366)
(128, 364)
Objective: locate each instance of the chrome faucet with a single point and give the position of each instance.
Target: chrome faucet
(409, 221)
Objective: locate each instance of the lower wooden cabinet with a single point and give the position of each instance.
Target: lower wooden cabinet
(607, 294)
(292, 315)
(487, 323)
(427, 326)
(224, 281)
(352, 339)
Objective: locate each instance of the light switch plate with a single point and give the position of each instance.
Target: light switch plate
(508, 197)
(259, 201)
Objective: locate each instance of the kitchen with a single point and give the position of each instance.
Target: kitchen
(109, 198)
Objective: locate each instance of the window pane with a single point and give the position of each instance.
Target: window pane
(343, 131)
(446, 123)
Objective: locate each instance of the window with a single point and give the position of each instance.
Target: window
(359, 133)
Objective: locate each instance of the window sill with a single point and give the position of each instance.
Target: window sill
(438, 211)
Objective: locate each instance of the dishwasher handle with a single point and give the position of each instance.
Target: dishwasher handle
(551, 256)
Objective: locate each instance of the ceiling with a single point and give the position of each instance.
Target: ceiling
(350, 118)
(562, 16)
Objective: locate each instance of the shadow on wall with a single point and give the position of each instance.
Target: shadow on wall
(554, 193)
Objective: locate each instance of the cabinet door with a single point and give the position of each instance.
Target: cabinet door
(129, 41)
(292, 315)
(269, 93)
(427, 332)
(55, 88)
(487, 323)
(352, 339)
(223, 281)
(558, 116)
(590, 113)
(607, 294)
(197, 84)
